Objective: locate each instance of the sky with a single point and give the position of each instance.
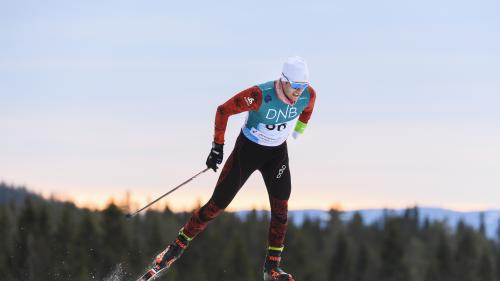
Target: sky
(101, 98)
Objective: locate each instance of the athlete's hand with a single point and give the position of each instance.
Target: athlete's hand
(215, 157)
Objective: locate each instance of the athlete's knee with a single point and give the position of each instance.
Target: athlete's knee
(209, 211)
(279, 210)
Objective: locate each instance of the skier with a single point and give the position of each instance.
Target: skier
(274, 109)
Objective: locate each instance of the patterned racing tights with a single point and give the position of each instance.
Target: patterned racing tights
(245, 158)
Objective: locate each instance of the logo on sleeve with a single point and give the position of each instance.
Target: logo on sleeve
(249, 101)
(268, 98)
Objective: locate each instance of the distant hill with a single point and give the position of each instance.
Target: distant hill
(16, 194)
(491, 217)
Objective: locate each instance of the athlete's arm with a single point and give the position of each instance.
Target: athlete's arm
(306, 114)
(246, 100)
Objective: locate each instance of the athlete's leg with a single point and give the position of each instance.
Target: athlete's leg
(242, 162)
(276, 174)
(239, 166)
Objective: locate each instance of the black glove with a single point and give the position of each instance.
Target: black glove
(215, 157)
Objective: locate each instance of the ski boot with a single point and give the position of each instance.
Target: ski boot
(277, 274)
(166, 258)
(173, 251)
(272, 270)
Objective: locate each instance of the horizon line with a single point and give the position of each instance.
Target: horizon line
(126, 202)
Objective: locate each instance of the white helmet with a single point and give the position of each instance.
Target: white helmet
(295, 69)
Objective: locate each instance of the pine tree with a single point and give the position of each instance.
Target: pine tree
(6, 242)
(497, 256)
(498, 231)
(23, 259)
(466, 255)
(296, 259)
(254, 229)
(237, 264)
(482, 227)
(152, 232)
(341, 261)
(393, 267)
(355, 227)
(114, 240)
(135, 252)
(41, 247)
(485, 269)
(335, 223)
(63, 243)
(441, 265)
(411, 221)
(87, 247)
(362, 266)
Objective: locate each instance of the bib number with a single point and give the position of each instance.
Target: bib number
(279, 127)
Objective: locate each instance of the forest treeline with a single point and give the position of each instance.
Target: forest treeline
(49, 240)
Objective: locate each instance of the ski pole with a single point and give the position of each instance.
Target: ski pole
(130, 215)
